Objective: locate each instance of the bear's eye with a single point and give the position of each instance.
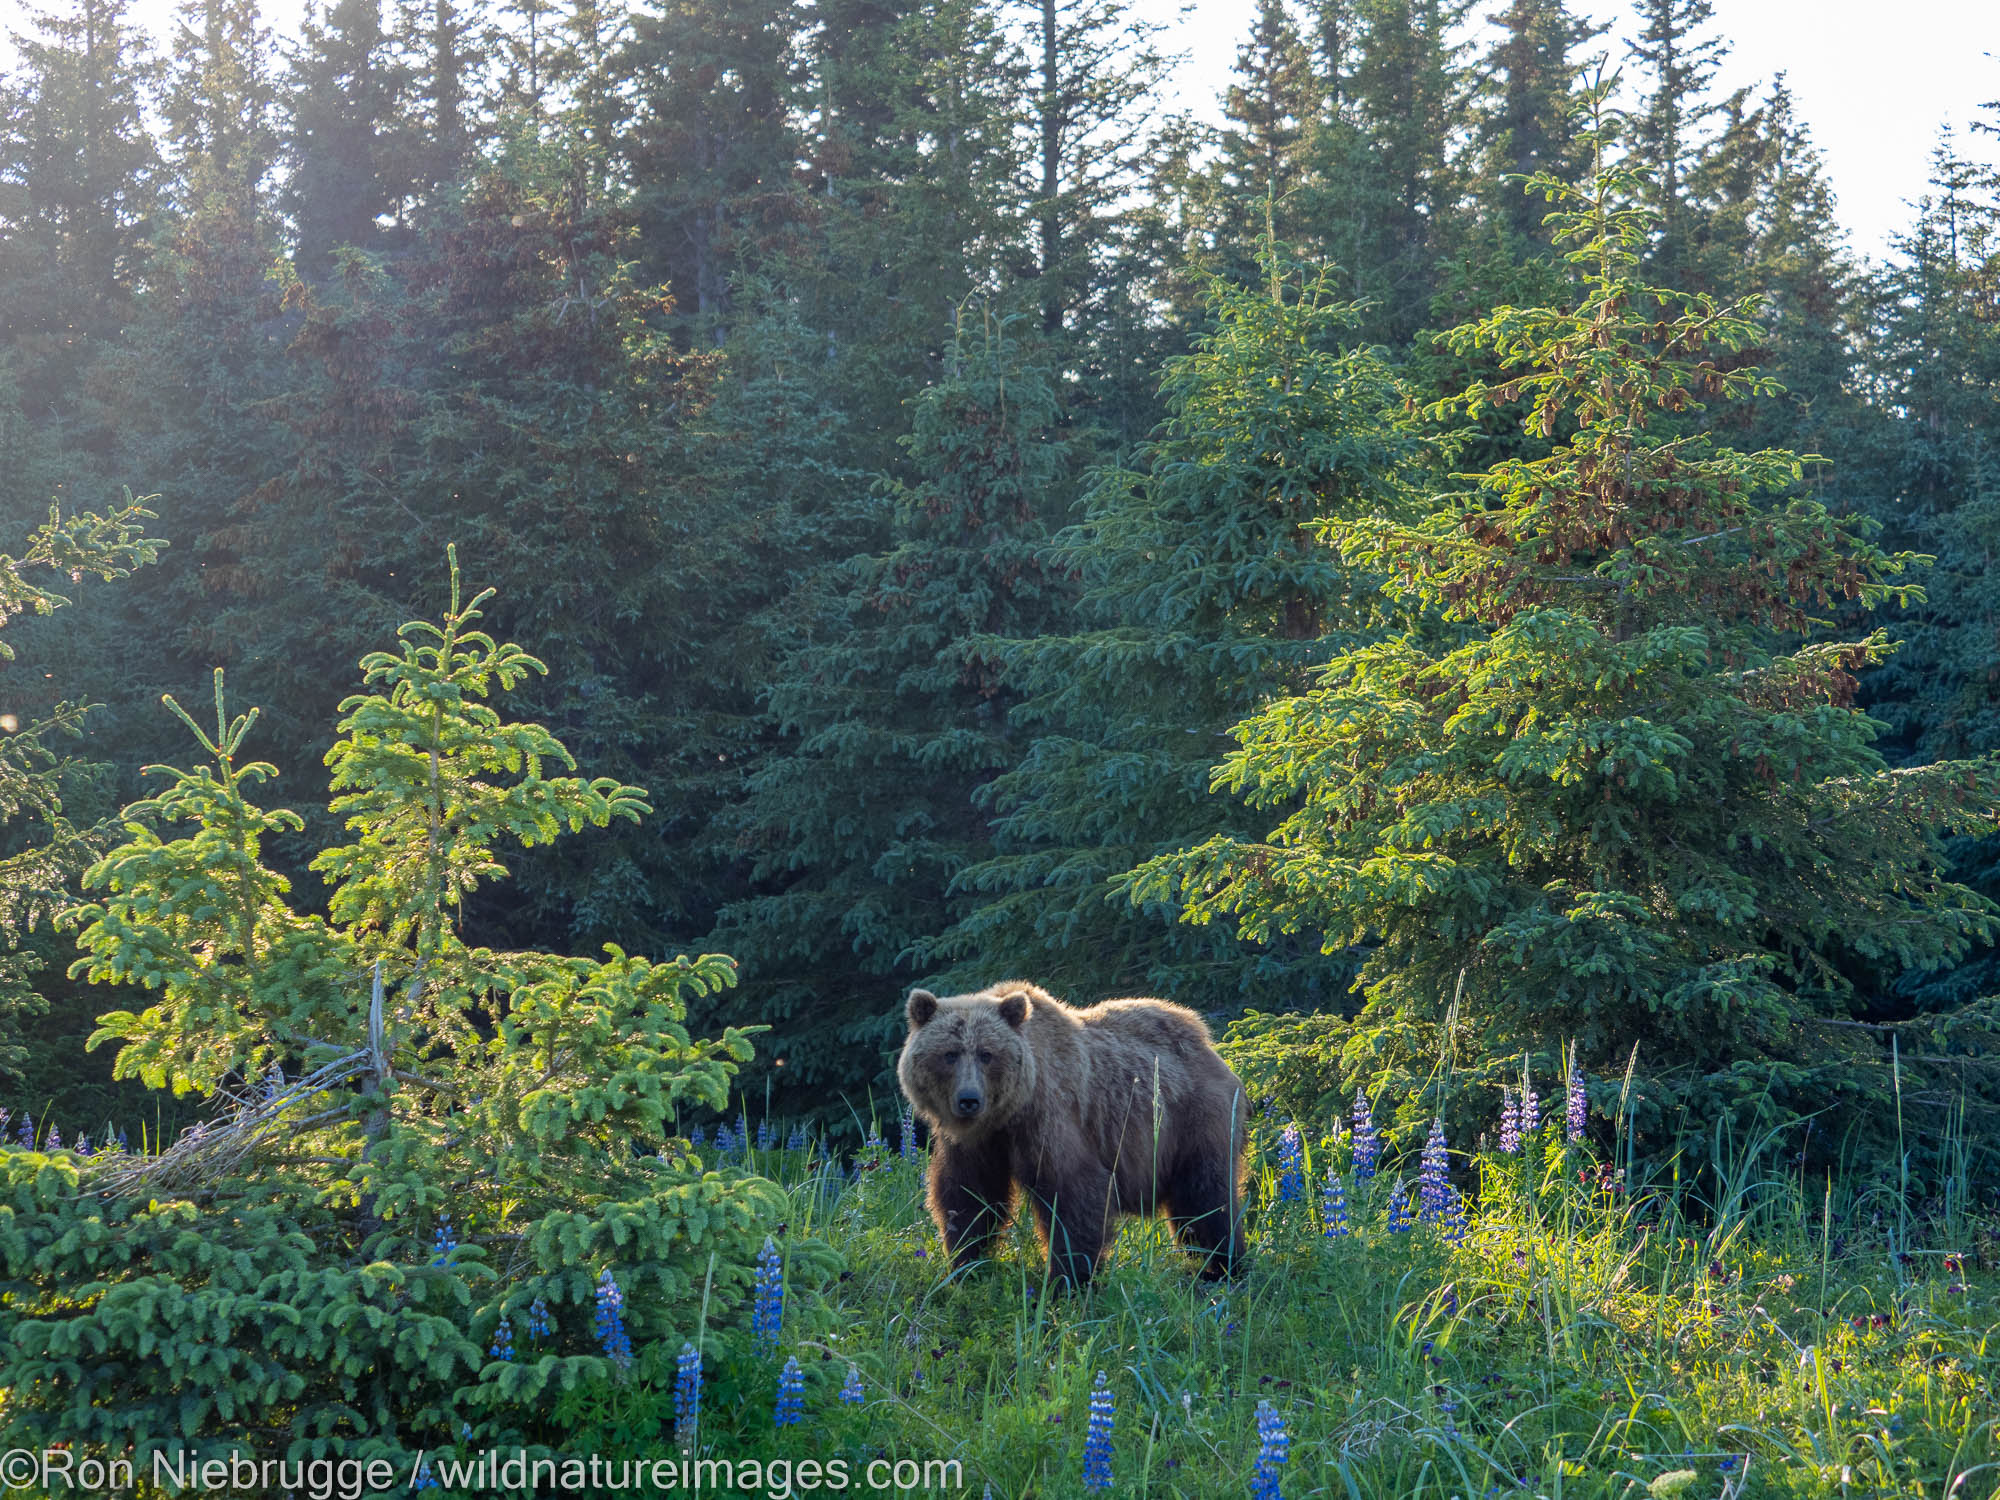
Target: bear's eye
(985, 1058)
(951, 1059)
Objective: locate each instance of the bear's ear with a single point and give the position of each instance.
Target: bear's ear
(1014, 1009)
(923, 1005)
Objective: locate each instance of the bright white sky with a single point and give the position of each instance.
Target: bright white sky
(1874, 82)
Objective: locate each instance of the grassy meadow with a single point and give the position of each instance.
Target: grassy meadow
(1582, 1338)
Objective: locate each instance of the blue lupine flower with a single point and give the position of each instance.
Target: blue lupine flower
(1097, 1440)
(1367, 1142)
(1432, 1179)
(1454, 1215)
(424, 1479)
(909, 1128)
(503, 1341)
(697, 1137)
(1577, 1112)
(123, 1145)
(609, 1324)
(1333, 1205)
(791, 1394)
(1510, 1124)
(850, 1388)
(538, 1317)
(443, 1242)
(55, 1138)
(796, 1141)
(25, 1133)
(874, 1143)
(687, 1394)
(1399, 1209)
(1291, 1165)
(1531, 1107)
(764, 1140)
(767, 1312)
(1274, 1449)
(725, 1139)
(83, 1145)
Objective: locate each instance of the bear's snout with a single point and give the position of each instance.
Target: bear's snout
(968, 1103)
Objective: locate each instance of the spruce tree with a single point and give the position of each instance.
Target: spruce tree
(345, 93)
(1666, 134)
(1528, 119)
(860, 826)
(1202, 595)
(1629, 811)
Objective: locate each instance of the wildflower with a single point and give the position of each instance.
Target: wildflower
(1333, 1205)
(1431, 1181)
(697, 1137)
(796, 1141)
(763, 1135)
(443, 1242)
(1510, 1124)
(123, 1144)
(609, 1325)
(538, 1317)
(1367, 1144)
(767, 1312)
(687, 1394)
(503, 1341)
(55, 1138)
(25, 1134)
(1273, 1449)
(424, 1479)
(1577, 1107)
(850, 1388)
(1097, 1441)
(1291, 1166)
(1531, 1106)
(725, 1139)
(1399, 1210)
(908, 1125)
(83, 1145)
(791, 1395)
(1454, 1215)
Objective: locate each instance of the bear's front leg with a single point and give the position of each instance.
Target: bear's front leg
(971, 1195)
(1074, 1212)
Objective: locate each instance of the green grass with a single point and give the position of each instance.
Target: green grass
(1788, 1341)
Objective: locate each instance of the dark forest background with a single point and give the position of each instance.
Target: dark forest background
(849, 403)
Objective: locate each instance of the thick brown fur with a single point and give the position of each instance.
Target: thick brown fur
(1123, 1108)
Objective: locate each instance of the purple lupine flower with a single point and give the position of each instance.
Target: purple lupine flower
(503, 1341)
(1399, 1209)
(796, 1141)
(697, 1137)
(538, 1317)
(850, 1388)
(443, 1242)
(83, 1145)
(1291, 1165)
(1577, 1111)
(1367, 1142)
(1097, 1440)
(1531, 1106)
(764, 1139)
(1510, 1124)
(55, 1138)
(609, 1325)
(1433, 1179)
(687, 1395)
(1333, 1205)
(767, 1312)
(908, 1126)
(25, 1132)
(1454, 1216)
(1274, 1449)
(791, 1395)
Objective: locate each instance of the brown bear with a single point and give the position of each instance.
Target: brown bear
(1124, 1108)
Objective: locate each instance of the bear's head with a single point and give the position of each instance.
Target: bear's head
(967, 1065)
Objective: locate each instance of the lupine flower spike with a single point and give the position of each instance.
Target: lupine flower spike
(1510, 1124)
(1333, 1205)
(763, 1135)
(850, 1388)
(503, 1341)
(1367, 1144)
(538, 1317)
(791, 1394)
(1454, 1215)
(767, 1312)
(1274, 1449)
(687, 1394)
(1097, 1441)
(1576, 1113)
(424, 1479)
(55, 1138)
(908, 1125)
(1291, 1165)
(1399, 1209)
(1432, 1181)
(697, 1137)
(796, 1141)
(444, 1242)
(609, 1324)
(1531, 1106)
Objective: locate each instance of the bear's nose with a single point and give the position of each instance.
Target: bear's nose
(967, 1105)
